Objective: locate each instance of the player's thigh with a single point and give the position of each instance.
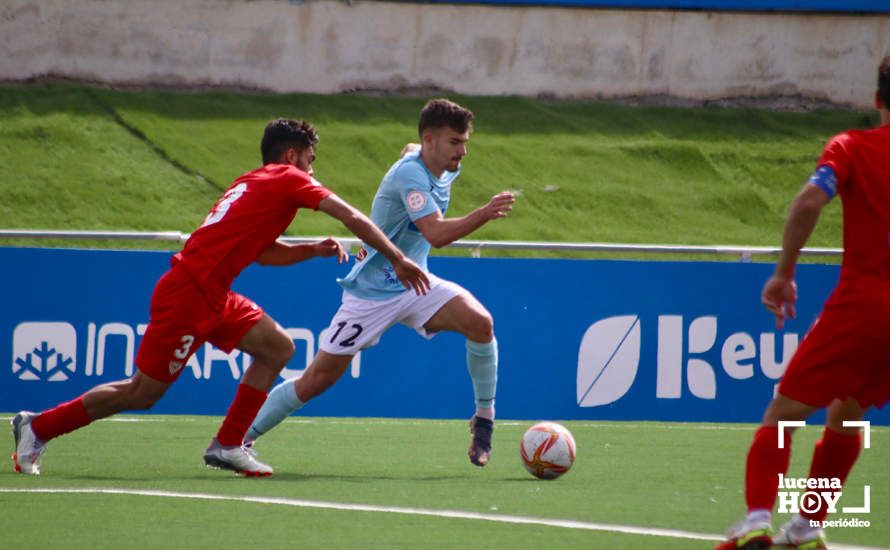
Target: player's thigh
(175, 330)
(463, 313)
(244, 325)
(358, 324)
(267, 341)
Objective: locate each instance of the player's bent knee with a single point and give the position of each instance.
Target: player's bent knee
(278, 353)
(782, 408)
(481, 329)
(842, 411)
(285, 351)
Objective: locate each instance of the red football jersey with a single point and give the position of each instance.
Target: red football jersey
(250, 215)
(861, 161)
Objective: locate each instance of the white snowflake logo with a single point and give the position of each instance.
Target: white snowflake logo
(44, 351)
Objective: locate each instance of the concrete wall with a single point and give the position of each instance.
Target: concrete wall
(330, 46)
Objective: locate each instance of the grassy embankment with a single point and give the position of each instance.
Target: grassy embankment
(86, 158)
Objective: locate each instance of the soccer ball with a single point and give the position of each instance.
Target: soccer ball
(547, 450)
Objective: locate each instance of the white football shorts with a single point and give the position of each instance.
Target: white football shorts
(360, 323)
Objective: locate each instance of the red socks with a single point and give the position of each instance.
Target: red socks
(72, 415)
(833, 456)
(765, 462)
(60, 420)
(241, 414)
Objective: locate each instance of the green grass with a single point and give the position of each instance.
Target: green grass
(89, 158)
(677, 476)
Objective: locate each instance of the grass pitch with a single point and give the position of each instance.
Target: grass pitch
(375, 483)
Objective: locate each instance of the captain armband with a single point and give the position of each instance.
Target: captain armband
(825, 179)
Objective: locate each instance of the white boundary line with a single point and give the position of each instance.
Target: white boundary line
(457, 514)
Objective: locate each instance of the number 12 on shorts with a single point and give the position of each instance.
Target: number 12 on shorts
(351, 333)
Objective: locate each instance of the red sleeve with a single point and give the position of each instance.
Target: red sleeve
(836, 156)
(306, 191)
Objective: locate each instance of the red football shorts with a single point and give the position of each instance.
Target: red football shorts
(845, 354)
(181, 320)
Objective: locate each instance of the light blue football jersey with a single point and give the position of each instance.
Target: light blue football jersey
(408, 192)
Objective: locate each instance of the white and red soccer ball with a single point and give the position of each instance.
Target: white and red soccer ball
(547, 450)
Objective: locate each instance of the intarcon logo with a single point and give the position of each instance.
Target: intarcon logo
(47, 352)
(610, 350)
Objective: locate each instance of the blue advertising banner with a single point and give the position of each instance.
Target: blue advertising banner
(849, 6)
(579, 339)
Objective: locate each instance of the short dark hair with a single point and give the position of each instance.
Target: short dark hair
(884, 81)
(441, 113)
(284, 133)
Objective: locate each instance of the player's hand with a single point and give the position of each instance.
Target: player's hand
(331, 247)
(499, 205)
(412, 276)
(780, 296)
(409, 148)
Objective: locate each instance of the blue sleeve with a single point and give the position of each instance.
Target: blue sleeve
(825, 179)
(414, 189)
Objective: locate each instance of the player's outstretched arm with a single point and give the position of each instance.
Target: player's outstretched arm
(407, 271)
(780, 293)
(441, 231)
(279, 253)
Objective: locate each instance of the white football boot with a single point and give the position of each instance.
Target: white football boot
(236, 458)
(798, 534)
(28, 448)
(249, 446)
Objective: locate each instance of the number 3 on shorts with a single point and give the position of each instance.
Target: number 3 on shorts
(349, 340)
(183, 350)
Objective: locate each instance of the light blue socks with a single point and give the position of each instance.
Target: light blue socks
(482, 362)
(280, 404)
